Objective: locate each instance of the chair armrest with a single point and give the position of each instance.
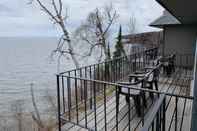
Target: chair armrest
(150, 67)
(137, 75)
(125, 83)
(140, 72)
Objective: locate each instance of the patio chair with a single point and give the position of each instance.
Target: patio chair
(137, 95)
(153, 79)
(172, 60)
(168, 64)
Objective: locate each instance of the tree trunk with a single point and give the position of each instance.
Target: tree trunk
(70, 48)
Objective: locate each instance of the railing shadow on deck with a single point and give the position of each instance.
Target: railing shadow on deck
(86, 92)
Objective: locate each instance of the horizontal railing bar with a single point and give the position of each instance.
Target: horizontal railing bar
(142, 89)
(153, 113)
(139, 81)
(113, 60)
(107, 61)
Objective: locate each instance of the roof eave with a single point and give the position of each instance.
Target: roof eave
(157, 26)
(185, 12)
(164, 25)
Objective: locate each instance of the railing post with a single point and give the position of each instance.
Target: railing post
(95, 117)
(176, 113)
(164, 115)
(157, 121)
(63, 95)
(117, 107)
(105, 108)
(85, 101)
(143, 106)
(58, 103)
(76, 97)
(135, 62)
(69, 98)
(129, 112)
(91, 90)
(80, 74)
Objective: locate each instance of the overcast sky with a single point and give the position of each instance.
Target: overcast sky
(20, 19)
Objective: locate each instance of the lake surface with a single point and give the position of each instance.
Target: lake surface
(24, 61)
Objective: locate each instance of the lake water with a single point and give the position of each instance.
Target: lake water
(24, 61)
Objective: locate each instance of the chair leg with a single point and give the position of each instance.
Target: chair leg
(164, 70)
(168, 71)
(151, 87)
(144, 99)
(156, 85)
(137, 103)
(173, 68)
(117, 103)
(127, 99)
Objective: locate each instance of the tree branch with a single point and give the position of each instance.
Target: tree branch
(47, 11)
(36, 117)
(60, 7)
(55, 8)
(110, 22)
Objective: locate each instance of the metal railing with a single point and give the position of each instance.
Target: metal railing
(157, 116)
(158, 119)
(87, 96)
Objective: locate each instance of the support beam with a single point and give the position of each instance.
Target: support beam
(194, 109)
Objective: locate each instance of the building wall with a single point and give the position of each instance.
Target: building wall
(147, 39)
(180, 39)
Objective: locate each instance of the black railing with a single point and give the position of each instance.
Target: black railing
(176, 114)
(87, 96)
(157, 118)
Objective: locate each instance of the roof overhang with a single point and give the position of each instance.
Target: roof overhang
(184, 10)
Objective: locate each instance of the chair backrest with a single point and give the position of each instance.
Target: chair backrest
(124, 90)
(165, 61)
(172, 59)
(134, 81)
(154, 75)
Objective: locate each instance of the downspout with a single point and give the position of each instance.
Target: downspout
(194, 108)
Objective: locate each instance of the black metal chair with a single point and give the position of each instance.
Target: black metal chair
(168, 64)
(137, 95)
(172, 60)
(153, 79)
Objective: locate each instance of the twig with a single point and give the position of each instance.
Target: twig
(36, 116)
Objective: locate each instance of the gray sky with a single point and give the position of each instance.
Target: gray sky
(20, 19)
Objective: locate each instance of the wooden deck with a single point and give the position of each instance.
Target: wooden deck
(179, 83)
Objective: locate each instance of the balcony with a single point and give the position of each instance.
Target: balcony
(88, 96)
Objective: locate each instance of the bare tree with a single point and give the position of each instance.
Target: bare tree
(51, 121)
(51, 100)
(36, 116)
(132, 25)
(132, 28)
(96, 30)
(64, 47)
